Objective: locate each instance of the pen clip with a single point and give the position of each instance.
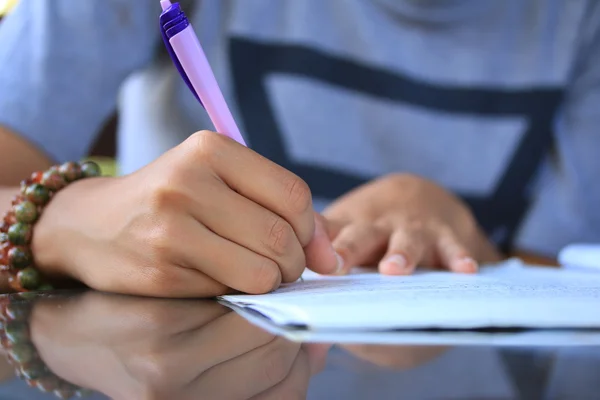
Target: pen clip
(171, 19)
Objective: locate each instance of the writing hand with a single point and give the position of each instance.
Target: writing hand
(208, 217)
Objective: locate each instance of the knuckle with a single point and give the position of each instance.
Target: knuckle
(152, 369)
(401, 178)
(204, 145)
(277, 363)
(160, 237)
(266, 277)
(160, 278)
(347, 247)
(157, 321)
(281, 236)
(445, 234)
(298, 195)
(165, 196)
(416, 226)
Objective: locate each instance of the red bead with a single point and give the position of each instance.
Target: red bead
(4, 249)
(4, 342)
(15, 284)
(4, 226)
(53, 180)
(70, 171)
(25, 184)
(36, 177)
(17, 199)
(10, 218)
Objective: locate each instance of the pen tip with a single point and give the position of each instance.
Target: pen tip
(165, 4)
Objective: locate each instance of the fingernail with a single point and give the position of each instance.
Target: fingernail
(468, 264)
(396, 264)
(340, 264)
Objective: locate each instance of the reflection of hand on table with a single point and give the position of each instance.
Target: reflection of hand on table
(396, 357)
(132, 348)
(6, 370)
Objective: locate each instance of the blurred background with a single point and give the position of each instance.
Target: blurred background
(104, 150)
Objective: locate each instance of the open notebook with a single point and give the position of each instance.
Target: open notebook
(507, 295)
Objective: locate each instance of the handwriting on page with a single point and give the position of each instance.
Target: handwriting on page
(495, 297)
(428, 286)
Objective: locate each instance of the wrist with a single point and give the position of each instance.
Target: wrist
(58, 236)
(17, 261)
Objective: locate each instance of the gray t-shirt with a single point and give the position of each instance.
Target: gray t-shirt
(494, 100)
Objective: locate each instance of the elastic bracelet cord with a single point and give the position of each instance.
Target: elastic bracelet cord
(16, 228)
(21, 353)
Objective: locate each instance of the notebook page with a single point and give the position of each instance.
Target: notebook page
(497, 297)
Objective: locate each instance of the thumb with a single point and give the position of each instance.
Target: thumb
(320, 256)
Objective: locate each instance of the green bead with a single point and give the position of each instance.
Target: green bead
(18, 311)
(16, 332)
(20, 257)
(20, 234)
(26, 295)
(48, 383)
(70, 171)
(29, 278)
(34, 371)
(90, 169)
(22, 353)
(26, 212)
(53, 180)
(81, 393)
(37, 194)
(45, 287)
(65, 391)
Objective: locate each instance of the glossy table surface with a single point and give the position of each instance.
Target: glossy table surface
(140, 348)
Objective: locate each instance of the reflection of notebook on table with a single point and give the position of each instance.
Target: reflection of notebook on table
(504, 296)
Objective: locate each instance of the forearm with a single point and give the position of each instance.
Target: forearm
(19, 159)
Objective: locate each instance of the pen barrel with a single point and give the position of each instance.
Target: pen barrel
(192, 58)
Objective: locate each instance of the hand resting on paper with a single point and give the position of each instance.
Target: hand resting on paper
(401, 221)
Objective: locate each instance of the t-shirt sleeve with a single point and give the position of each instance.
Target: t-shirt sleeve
(62, 63)
(578, 126)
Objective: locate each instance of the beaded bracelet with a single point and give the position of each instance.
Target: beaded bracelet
(16, 228)
(22, 354)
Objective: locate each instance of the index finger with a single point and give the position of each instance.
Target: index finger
(260, 180)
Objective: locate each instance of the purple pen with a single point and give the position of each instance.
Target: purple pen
(189, 58)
